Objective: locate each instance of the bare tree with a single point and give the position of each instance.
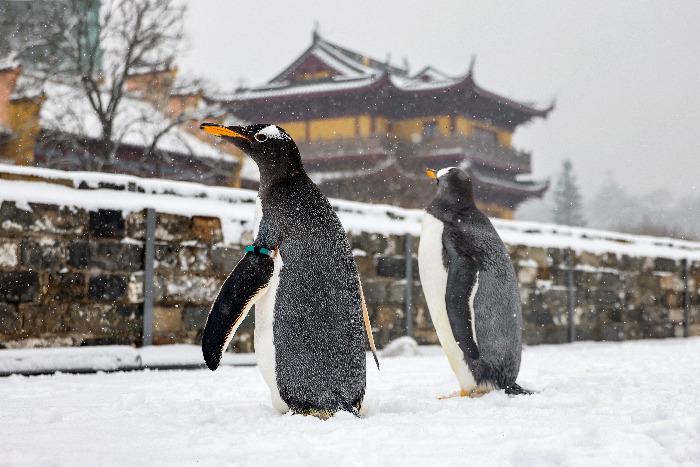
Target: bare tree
(96, 48)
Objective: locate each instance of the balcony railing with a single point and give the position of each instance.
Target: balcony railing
(344, 147)
(491, 154)
(478, 151)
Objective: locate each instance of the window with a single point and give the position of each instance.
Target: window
(430, 129)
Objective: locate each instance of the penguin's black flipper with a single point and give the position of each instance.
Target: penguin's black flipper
(462, 284)
(239, 292)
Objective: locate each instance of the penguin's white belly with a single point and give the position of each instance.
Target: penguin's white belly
(433, 276)
(264, 337)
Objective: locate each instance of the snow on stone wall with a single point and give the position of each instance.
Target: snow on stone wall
(71, 265)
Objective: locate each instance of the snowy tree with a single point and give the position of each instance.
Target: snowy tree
(568, 207)
(95, 47)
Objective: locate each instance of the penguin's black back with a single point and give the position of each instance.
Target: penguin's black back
(498, 318)
(318, 324)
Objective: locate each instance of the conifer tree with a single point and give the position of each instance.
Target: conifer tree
(568, 205)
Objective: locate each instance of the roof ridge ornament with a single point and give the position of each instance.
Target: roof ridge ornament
(315, 34)
(472, 64)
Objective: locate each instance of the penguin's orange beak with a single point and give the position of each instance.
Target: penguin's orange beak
(220, 130)
(431, 173)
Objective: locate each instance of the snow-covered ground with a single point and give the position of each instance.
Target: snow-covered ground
(634, 403)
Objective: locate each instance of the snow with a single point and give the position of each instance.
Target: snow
(108, 358)
(68, 110)
(597, 404)
(235, 208)
(68, 358)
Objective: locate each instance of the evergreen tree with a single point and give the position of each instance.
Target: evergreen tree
(568, 206)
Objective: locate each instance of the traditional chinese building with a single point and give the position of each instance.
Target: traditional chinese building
(368, 129)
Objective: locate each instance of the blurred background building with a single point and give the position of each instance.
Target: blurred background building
(368, 129)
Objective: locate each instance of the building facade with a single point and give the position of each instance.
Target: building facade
(367, 129)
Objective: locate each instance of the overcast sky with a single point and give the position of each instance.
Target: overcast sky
(625, 74)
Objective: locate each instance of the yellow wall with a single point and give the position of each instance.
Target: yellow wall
(464, 126)
(404, 129)
(297, 130)
(24, 123)
(381, 126)
(364, 123)
(332, 128)
(348, 127)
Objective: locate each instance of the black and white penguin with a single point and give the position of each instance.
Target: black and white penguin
(300, 274)
(470, 287)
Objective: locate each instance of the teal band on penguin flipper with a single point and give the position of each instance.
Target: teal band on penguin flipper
(258, 250)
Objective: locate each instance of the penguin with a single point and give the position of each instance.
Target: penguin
(311, 320)
(470, 288)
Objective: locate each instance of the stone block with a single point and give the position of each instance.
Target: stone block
(135, 224)
(171, 227)
(167, 320)
(64, 287)
(14, 220)
(79, 253)
(194, 259)
(134, 289)
(19, 286)
(9, 254)
(107, 287)
(554, 334)
(106, 223)
(207, 229)
(186, 288)
(394, 266)
(389, 323)
(372, 244)
(605, 299)
(671, 282)
(91, 318)
(224, 259)
(116, 256)
(366, 266)
(375, 291)
(166, 256)
(44, 254)
(527, 275)
(613, 332)
(396, 291)
(665, 264)
(589, 259)
(195, 317)
(59, 220)
(37, 319)
(395, 245)
(10, 320)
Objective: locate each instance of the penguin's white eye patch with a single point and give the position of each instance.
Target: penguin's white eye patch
(272, 131)
(444, 171)
(260, 137)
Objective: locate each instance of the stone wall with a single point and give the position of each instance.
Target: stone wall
(74, 276)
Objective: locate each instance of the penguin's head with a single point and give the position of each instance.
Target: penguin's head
(454, 186)
(268, 145)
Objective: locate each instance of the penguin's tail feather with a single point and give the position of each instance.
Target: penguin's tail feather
(368, 325)
(516, 390)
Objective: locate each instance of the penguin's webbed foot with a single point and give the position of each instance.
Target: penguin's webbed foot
(474, 393)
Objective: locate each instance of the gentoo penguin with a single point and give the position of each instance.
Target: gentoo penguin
(310, 312)
(470, 287)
